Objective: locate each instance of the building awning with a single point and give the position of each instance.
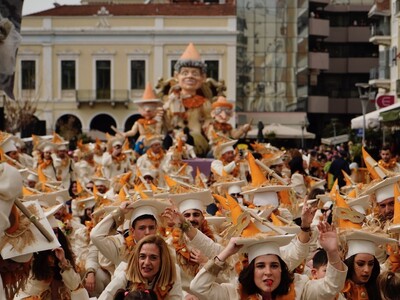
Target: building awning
(373, 118)
(391, 115)
(334, 140)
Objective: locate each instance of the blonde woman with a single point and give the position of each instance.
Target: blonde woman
(150, 267)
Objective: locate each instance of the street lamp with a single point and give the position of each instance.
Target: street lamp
(364, 91)
(304, 125)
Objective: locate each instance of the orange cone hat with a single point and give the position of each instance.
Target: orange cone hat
(231, 205)
(342, 223)
(257, 176)
(375, 170)
(190, 53)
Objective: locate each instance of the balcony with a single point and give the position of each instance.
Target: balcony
(380, 8)
(318, 60)
(93, 97)
(359, 34)
(380, 34)
(318, 104)
(319, 27)
(361, 64)
(380, 77)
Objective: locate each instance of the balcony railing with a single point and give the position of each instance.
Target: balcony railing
(92, 97)
(379, 73)
(380, 30)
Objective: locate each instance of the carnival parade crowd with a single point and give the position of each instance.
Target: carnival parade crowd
(106, 221)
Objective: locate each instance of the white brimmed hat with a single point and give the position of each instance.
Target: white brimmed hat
(53, 198)
(151, 207)
(384, 189)
(262, 192)
(10, 189)
(360, 204)
(37, 242)
(85, 203)
(215, 221)
(46, 146)
(193, 200)
(231, 187)
(264, 245)
(359, 241)
(326, 199)
(49, 213)
(153, 139)
(7, 142)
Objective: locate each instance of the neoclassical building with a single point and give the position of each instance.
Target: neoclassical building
(90, 61)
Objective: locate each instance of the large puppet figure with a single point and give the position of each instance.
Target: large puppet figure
(151, 123)
(221, 113)
(184, 103)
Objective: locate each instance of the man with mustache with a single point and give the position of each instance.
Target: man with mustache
(187, 220)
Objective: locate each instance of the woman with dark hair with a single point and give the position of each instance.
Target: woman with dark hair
(150, 267)
(267, 276)
(54, 274)
(363, 271)
(363, 266)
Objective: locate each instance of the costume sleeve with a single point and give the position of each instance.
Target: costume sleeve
(218, 167)
(206, 245)
(109, 246)
(71, 279)
(327, 287)
(295, 253)
(92, 259)
(176, 293)
(297, 181)
(118, 282)
(106, 160)
(205, 287)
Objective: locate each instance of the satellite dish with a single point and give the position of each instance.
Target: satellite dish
(147, 1)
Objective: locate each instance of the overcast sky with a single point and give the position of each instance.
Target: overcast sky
(32, 6)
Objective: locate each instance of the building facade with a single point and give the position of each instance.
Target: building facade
(90, 61)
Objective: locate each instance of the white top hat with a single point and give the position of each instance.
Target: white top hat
(194, 200)
(101, 181)
(215, 221)
(49, 213)
(384, 189)
(151, 140)
(37, 243)
(264, 245)
(222, 148)
(151, 207)
(53, 198)
(266, 195)
(326, 200)
(232, 187)
(46, 147)
(360, 204)
(32, 177)
(8, 144)
(359, 241)
(89, 202)
(10, 189)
